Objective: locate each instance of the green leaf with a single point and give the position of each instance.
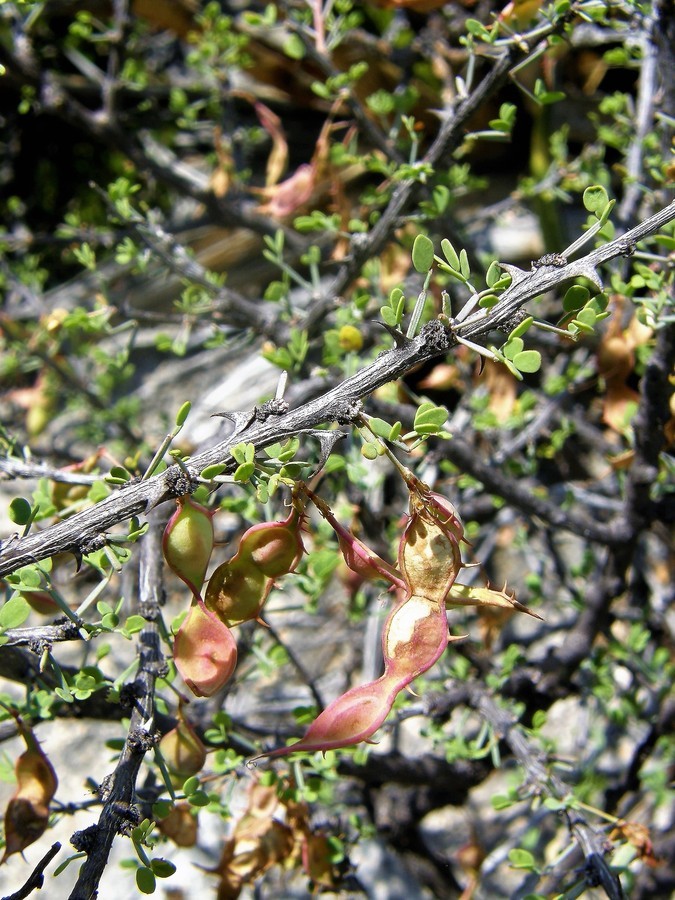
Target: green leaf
(521, 859)
(586, 316)
(30, 576)
(488, 301)
(493, 274)
(64, 865)
(134, 624)
(162, 868)
(199, 798)
(595, 199)
(14, 612)
(522, 328)
(213, 471)
(512, 347)
(423, 253)
(19, 511)
(191, 785)
(183, 413)
(441, 196)
(243, 472)
(502, 801)
(575, 297)
(429, 418)
(464, 267)
(119, 474)
(145, 880)
(477, 29)
(450, 254)
(380, 427)
(294, 47)
(64, 694)
(527, 361)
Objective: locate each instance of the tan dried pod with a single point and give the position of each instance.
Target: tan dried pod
(27, 813)
(182, 749)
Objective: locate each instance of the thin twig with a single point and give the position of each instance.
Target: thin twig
(36, 879)
(544, 782)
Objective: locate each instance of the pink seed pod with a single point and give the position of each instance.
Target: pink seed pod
(357, 556)
(352, 718)
(360, 559)
(414, 637)
(204, 651)
(440, 508)
(275, 547)
(238, 588)
(188, 541)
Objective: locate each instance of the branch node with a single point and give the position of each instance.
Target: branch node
(83, 841)
(556, 260)
(274, 407)
(436, 335)
(91, 545)
(141, 741)
(128, 815)
(180, 482)
(349, 412)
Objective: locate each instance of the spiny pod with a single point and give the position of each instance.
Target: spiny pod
(414, 637)
(204, 651)
(429, 555)
(27, 813)
(415, 633)
(238, 588)
(188, 542)
(463, 595)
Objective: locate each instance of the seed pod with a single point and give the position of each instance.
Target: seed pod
(275, 547)
(237, 591)
(414, 637)
(357, 556)
(180, 825)
(239, 587)
(188, 542)
(465, 595)
(182, 749)
(428, 558)
(352, 718)
(204, 651)
(27, 813)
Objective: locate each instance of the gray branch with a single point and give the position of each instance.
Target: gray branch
(340, 404)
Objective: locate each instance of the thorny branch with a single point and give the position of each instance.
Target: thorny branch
(119, 813)
(340, 404)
